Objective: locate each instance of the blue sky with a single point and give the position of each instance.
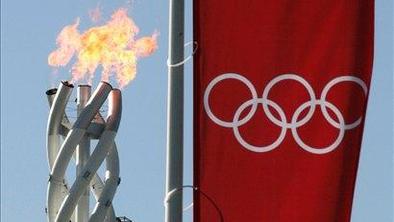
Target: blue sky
(28, 33)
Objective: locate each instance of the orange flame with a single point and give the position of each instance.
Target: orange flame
(113, 46)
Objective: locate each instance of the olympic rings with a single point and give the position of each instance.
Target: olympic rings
(282, 122)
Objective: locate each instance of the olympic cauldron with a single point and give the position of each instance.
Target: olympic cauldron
(67, 140)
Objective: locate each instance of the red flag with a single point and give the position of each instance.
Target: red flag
(281, 89)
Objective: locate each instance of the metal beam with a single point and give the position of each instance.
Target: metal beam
(174, 166)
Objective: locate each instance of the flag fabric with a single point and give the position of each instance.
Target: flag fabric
(280, 94)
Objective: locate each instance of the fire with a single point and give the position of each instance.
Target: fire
(113, 46)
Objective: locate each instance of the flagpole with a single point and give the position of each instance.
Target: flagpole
(174, 166)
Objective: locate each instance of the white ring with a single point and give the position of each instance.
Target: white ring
(325, 150)
(259, 149)
(311, 93)
(324, 96)
(208, 91)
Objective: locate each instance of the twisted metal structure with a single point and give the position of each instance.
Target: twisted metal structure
(66, 141)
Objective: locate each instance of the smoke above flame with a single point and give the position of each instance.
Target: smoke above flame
(114, 46)
(95, 14)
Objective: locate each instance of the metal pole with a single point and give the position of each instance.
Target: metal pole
(174, 167)
(83, 153)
